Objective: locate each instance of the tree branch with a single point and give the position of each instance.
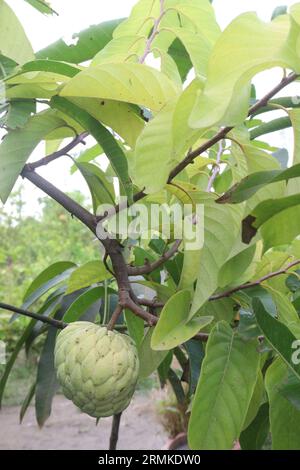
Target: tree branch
(223, 132)
(256, 283)
(153, 34)
(150, 267)
(50, 321)
(216, 169)
(65, 201)
(114, 318)
(79, 139)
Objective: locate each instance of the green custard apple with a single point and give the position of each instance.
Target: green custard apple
(96, 368)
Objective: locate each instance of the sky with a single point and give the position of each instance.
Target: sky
(77, 15)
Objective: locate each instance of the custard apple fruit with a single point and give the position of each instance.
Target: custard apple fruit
(97, 368)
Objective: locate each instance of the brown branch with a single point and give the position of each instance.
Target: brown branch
(114, 318)
(115, 432)
(50, 321)
(216, 168)
(223, 132)
(151, 303)
(79, 139)
(156, 304)
(65, 201)
(154, 33)
(256, 283)
(150, 267)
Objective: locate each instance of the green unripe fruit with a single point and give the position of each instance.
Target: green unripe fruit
(97, 368)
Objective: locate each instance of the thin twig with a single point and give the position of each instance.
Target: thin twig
(50, 321)
(115, 432)
(79, 139)
(223, 132)
(256, 283)
(150, 267)
(216, 169)
(153, 34)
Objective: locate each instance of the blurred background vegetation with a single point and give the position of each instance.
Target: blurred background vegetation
(30, 243)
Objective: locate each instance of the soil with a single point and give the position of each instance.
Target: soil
(69, 429)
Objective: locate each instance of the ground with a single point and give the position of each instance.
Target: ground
(68, 428)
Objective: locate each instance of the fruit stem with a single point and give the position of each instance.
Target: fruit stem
(115, 432)
(114, 317)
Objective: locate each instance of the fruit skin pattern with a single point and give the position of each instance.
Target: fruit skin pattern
(96, 368)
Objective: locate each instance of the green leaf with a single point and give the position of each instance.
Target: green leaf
(221, 228)
(278, 335)
(44, 288)
(291, 390)
(228, 377)
(176, 386)
(152, 151)
(43, 6)
(137, 22)
(294, 184)
(83, 303)
(27, 401)
(254, 182)
(135, 326)
(281, 229)
(197, 46)
(256, 400)
(254, 437)
(102, 135)
(248, 159)
(50, 273)
(13, 40)
(195, 350)
(89, 42)
(284, 417)
(164, 141)
(18, 113)
(164, 368)
(235, 267)
(48, 309)
(202, 16)
(149, 359)
(101, 190)
(88, 274)
(18, 145)
(131, 83)
(125, 119)
(51, 66)
(246, 47)
(86, 156)
(172, 328)
(46, 382)
(285, 310)
(272, 207)
(181, 58)
(269, 127)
